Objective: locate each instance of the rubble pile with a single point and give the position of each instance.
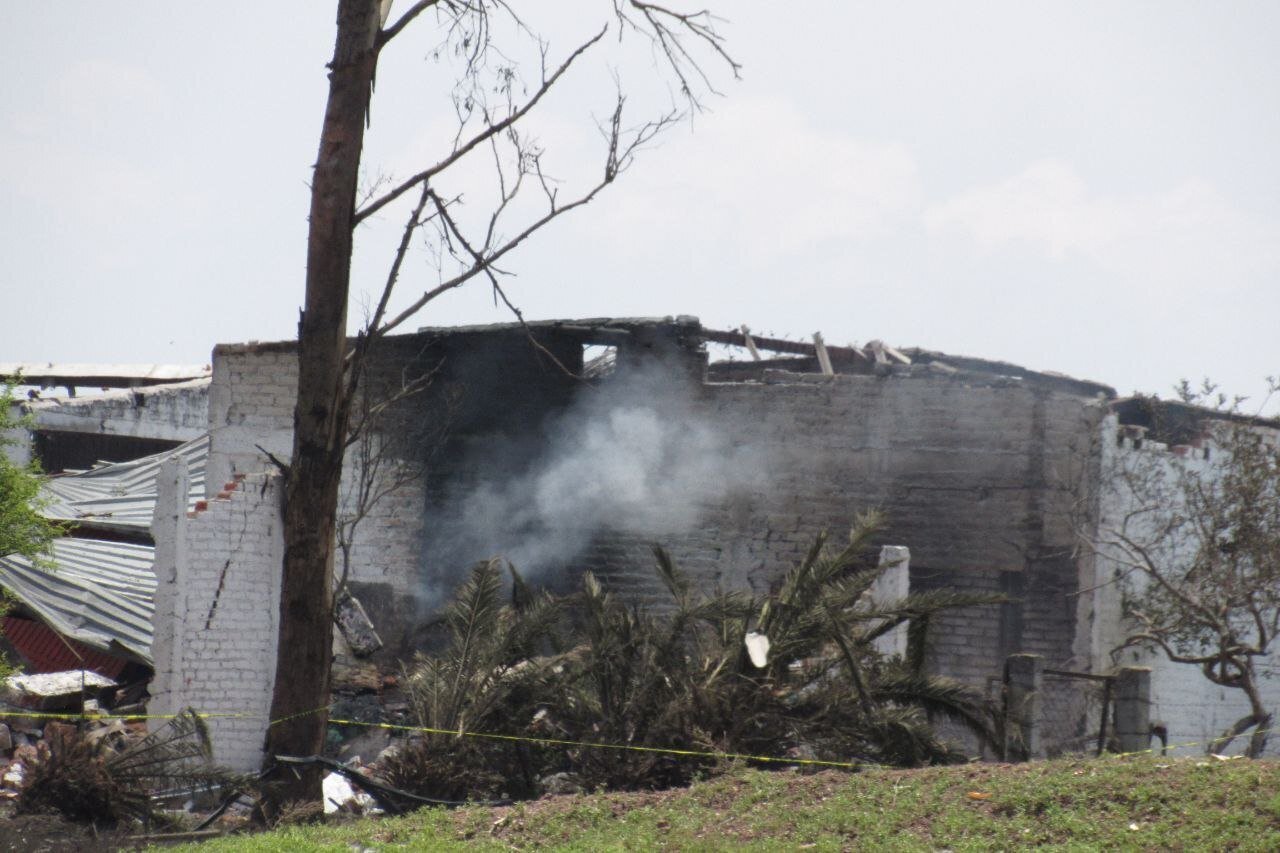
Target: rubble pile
(35, 709)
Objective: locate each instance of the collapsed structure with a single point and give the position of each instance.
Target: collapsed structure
(94, 609)
(575, 444)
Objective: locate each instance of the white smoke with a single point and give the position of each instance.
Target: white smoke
(635, 456)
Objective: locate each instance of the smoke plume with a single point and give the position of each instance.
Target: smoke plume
(633, 455)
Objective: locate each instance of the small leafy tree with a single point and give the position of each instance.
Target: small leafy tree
(23, 530)
(1200, 547)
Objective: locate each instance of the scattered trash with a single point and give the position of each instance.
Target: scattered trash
(757, 649)
(338, 793)
(341, 794)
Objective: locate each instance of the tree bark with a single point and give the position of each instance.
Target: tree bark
(1258, 719)
(299, 702)
(1257, 743)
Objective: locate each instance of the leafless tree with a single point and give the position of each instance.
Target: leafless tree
(384, 453)
(491, 108)
(1198, 546)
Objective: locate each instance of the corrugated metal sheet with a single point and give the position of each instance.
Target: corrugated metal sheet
(44, 650)
(100, 593)
(121, 495)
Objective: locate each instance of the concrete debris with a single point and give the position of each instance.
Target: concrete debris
(337, 792)
(53, 691)
(562, 783)
(351, 676)
(27, 742)
(356, 626)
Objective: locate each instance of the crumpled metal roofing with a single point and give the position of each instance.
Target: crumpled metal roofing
(121, 495)
(45, 650)
(100, 593)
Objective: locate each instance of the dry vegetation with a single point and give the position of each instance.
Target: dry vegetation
(594, 669)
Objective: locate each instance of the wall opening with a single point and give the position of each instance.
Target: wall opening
(75, 451)
(598, 360)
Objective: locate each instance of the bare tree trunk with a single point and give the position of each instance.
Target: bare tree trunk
(1239, 727)
(299, 703)
(1258, 743)
(1258, 719)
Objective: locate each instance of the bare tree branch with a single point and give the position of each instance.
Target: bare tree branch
(493, 129)
(617, 161)
(665, 27)
(404, 20)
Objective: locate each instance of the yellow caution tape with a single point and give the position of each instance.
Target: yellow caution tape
(686, 753)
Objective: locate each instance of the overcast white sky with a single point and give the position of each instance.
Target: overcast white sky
(1092, 188)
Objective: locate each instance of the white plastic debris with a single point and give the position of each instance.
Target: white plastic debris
(757, 648)
(341, 795)
(337, 793)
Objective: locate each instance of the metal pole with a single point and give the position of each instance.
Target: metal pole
(1106, 712)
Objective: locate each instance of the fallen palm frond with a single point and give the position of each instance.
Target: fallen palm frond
(103, 777)
(794, 672)
(499, 666)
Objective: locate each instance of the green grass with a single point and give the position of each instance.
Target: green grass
(1110, 803)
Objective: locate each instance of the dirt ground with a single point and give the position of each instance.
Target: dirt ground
(52, 834)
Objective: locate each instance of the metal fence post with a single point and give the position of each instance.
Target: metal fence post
(1133, 708)
(1022, 678)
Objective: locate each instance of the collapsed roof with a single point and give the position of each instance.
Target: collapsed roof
(96, 590)
(73, 375)
(120, 496)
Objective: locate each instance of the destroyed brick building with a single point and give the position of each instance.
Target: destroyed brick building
(575, 444)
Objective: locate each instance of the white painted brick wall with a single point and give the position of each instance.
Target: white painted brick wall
(177, 412)
(1194, 709)
(251, 406)
(217, 610)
